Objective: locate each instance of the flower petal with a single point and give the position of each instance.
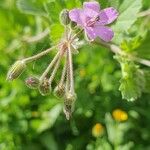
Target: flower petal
(90, 13)
(78, 16)
(105, 33)
(91, 5)
(108, 15)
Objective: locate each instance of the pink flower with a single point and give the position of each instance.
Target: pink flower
(93, 20)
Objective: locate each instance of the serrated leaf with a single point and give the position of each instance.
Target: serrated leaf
(132, 82)
(127, 16)
(31, 7)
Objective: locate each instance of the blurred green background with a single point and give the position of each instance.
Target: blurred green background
(102, 120)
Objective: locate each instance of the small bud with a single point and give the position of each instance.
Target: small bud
(59, 91)
(32, 82)
(69, 101)
(68, 109)
(70, 98)
(45, 87)
(16, 70)
(64, 17)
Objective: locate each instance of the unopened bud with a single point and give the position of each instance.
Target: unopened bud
(16, 70)
(32, 82)
(69, 101)
(59, 91)
(68, 109)
(45, 87)
(70, 98)
(64, 17)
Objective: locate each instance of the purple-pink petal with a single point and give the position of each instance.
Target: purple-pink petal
(90, 13)
(105, 33)
(92, 5)
(108, 15)
(77, 15)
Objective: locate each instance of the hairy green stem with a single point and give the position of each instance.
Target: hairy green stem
(50, 66)
(70, 69)
(56, 67)
(39, 55)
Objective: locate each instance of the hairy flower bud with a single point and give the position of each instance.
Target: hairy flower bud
(45, 87)
(68, 109)
(70, 98)
(59, 91)
(32, 82)
(16, 70)
(69, 101)
(64, 17)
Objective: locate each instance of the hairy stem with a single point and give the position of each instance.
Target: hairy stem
(56, 67)
(50, 66)
(63, 73)
(70, 69)
(116, 49)
(39, 55)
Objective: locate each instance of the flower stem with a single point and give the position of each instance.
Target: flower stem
(76, 35)
(56, 66)
(63, 73)
(50, 66)
(39, 55)
(70, 69)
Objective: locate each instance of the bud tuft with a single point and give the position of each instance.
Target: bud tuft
(16, 70)
(32, 82)
(45, 87)
(64, 17)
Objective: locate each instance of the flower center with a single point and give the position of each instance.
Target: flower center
(92, 21)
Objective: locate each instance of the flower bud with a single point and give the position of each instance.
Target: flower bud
(45, 87)
(70, 98)
(16, 70)
(64, 17)
(68, 109)
(69, 101)
(32, 82)
(59, 91)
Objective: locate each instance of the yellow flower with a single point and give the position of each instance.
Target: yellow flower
(120, 115)
(97, 130)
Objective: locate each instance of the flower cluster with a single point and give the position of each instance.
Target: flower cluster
(90, 19)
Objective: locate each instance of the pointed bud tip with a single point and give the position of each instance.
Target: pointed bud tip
(16, 70)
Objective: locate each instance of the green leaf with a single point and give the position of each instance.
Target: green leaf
(131, 44)
(127, 16)
(132, 81)
(114, 3)
(31, 7)
(56, 32)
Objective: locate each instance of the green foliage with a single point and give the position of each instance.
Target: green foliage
(125, 21)
(132, 77)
